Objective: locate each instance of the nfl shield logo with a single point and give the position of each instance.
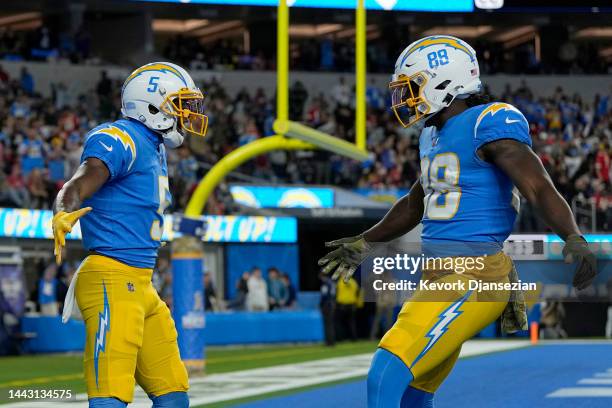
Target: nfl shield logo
(130, 287)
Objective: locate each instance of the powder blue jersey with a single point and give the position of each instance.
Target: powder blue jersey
(466, 198)
(126, 222)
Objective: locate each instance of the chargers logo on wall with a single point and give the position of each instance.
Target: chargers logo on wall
(283, 197)
(245, 197)
(299, 198)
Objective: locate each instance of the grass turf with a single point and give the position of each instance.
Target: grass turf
(66, 372)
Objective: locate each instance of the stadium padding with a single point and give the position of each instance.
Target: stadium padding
(225, 328)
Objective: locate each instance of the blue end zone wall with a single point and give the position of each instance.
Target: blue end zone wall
(272, 327)
(50, 335)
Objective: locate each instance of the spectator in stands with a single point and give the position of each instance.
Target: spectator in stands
(341, 93)
(242, 290)
(257, 297)
(18, 186)
(37, 189)
(277, 291)
(298, 95)
(327, 304)
(32, 152)
(602, 163)
(186, 176)
(4, 78)
(375, 97)
(27, 81)
(49, 288)
(56, 162)
(347, 298)
(210, 295)
(104, 89)
(291, 298)
(10, 197)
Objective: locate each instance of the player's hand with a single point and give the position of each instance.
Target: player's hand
(577, 250)
(62, 224)
(347, 256)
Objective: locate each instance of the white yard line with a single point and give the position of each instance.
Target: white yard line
(582, 392)
(259, 381)
(601, 379)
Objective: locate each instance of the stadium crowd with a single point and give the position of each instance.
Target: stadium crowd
(325, 53)
(337, 55)
(41, 141)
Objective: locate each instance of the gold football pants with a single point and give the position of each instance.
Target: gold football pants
(433, 324)
(130, 334)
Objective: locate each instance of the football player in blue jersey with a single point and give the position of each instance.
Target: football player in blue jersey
(473, 153)
(119, 193)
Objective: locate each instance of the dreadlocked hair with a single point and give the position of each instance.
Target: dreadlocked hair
(478, 99)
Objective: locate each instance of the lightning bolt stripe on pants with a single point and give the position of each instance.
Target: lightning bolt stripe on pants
(444, 320)
(103, 329)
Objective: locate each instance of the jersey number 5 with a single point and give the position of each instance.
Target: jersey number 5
(163, 189)
(440, 179)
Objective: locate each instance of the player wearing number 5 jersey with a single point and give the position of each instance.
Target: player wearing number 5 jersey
(120, 192)
(473, 154)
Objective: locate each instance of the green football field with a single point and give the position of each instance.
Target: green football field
(65, 371)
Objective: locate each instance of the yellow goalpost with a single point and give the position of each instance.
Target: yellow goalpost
(291, 135)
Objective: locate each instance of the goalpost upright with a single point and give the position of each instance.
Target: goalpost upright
(300, 136)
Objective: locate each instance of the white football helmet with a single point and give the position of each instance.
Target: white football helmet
(164, 98)
(429, 74)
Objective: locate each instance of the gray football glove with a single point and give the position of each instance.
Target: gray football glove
(577, 250)
(346, 258)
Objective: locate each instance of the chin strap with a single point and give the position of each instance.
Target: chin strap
(173, 138)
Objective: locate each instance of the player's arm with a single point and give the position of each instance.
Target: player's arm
(521, 164)
(89, 177)
(349, 252)
(525, 169)
(405, 214)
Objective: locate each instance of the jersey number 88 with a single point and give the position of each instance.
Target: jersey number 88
(440, 179)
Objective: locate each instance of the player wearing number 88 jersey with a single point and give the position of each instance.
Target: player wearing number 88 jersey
(472, 155)
(122, 184)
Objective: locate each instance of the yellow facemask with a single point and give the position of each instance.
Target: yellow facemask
(188, 106)
(407, 101)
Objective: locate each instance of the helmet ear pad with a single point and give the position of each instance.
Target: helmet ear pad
(149, 115)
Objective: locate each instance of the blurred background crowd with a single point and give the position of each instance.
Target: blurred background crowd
(337, 55)
(41, 141)
(324, 53)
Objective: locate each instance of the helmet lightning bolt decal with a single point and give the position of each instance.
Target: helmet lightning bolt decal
(439, 40)
(156, 67)
(103, 329)
(444, 320)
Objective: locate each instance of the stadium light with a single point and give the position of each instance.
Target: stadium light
(489, 4)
